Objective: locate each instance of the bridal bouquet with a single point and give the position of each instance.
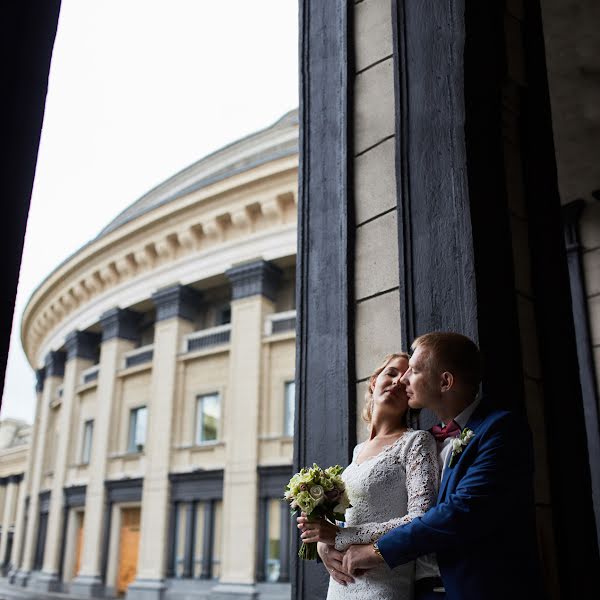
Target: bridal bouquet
(320, 494)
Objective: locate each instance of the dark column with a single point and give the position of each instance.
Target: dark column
(589, 390)
(170, 571)
(208, 539)
(284, 544)
(63, 542)
(41, 542)
(261, 539)
(190, 533)
(105, 540)
(325, 261)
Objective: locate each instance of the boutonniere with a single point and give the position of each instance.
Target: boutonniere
(459, 443)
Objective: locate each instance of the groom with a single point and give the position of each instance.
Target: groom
(483, 526)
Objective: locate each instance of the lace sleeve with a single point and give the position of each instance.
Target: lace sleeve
(422, 480)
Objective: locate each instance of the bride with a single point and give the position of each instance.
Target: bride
(393, 478)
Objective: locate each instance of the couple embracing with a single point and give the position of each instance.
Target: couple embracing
(445, 514)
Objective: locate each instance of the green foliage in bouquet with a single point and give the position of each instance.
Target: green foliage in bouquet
(320, 494)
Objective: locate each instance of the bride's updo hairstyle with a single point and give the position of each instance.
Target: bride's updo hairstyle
(367, 413)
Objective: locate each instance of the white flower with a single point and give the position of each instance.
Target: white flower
(469, 435)
(457, 445)
(317, 492)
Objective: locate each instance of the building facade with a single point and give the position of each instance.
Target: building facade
(15, 437)
(165, 359)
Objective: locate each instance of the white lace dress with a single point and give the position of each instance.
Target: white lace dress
(386, 490)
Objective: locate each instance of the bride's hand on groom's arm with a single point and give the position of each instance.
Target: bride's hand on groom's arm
(332, 559)
(359, 558)
(317, 530)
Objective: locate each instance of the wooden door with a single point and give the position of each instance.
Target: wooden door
(128, 547)
(78, 545)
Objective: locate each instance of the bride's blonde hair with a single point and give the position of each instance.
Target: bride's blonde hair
(367, 413)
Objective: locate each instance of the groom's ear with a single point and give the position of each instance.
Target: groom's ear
(447, 381)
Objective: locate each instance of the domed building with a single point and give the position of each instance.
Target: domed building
(165, 352)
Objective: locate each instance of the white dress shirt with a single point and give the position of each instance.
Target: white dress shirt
(426, 566)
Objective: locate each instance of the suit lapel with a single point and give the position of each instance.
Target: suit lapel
(473, 423)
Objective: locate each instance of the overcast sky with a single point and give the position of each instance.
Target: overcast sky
(140, 89)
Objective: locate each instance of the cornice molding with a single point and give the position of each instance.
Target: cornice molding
(199, 229)
(271, 244)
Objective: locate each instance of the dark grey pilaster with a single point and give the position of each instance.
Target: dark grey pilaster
(120, 323)
(55, 363)
(284, 544)
(83, 344)
(178, 301)
(207, 542)
(40, 376)
(105, 540)
(259, 277)
(190, 532)
(170, 570)
(261, 541)
(63, 542)
(589, 386)
(325, 254)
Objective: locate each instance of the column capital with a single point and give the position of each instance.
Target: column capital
(82, 344)
(40, 375)
(55, 363)
(255, 278)
(176, 301)
(120, 323)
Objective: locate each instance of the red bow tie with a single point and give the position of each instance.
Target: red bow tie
(441, 433)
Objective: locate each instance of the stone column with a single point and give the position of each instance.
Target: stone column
(55, 370)
(82, 349)
(119, 335)
(175, 309)
(12, 556)
(254, 287)
(10, 500)
(17, 550)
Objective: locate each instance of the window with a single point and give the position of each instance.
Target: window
(137, 429)
(197, 530)
(86, 444)
(290, 405)
(207, 418)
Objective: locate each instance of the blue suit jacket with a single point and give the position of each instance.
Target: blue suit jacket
(483, 526)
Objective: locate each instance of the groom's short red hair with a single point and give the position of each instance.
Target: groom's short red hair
(455, 353)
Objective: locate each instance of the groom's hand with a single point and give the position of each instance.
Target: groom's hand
(332, 559)
(360, 557)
